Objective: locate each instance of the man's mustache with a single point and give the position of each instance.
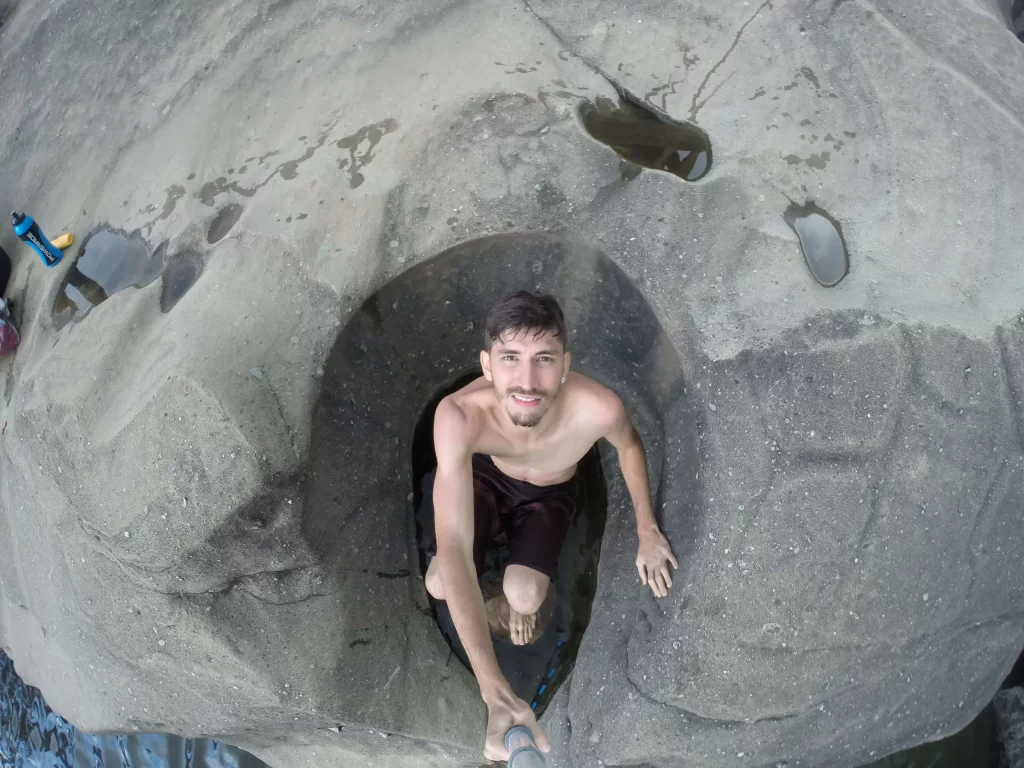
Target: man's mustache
(527, 392)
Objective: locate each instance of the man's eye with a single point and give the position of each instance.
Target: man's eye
(508, 358)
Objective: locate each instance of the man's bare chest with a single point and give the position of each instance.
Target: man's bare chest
(543, 463)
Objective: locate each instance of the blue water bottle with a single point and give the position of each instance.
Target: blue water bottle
(26, 228)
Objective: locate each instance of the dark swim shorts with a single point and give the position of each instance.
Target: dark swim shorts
(533, 519)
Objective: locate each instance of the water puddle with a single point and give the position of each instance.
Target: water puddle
(33, 734)
(183, 269)
(642, 137)
(821, 239)
(111, 261)
(225, 219)
(535, 670)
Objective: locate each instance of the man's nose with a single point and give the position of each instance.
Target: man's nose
(528, 378)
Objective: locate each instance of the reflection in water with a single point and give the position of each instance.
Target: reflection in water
(31, 734)
(821, 240)
(643, 138)
(112, 261)
(183, 269)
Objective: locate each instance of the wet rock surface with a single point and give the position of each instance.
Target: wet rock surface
(194, 506)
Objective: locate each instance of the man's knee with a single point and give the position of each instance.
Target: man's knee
(432, 581)
(525, 589)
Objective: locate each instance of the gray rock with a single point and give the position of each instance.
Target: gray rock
(1009, 708)
(865, 446)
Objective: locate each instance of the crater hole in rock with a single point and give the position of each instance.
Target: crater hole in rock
(642, 137)
(407, 345)
(822, 243)
(109, 261)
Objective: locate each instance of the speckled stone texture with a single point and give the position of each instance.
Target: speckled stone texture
(205, 523)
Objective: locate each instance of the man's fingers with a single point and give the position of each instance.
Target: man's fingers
(540, 737)
(656, 585)
(672, 559)
(643, 572)
(666, 576)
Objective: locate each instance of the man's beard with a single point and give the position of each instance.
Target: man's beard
(529, 418)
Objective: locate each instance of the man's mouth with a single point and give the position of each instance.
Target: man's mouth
(526, 401)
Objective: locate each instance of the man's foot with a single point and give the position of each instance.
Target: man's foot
(521, 628)
(504, 622)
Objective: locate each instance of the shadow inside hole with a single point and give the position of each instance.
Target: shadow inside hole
(1017, 18)
(535, 670)
(6, 11)
(1016, 677)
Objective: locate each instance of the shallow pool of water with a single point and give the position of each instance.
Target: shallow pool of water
(33, 736)
(642, 137)
(821, 240)
(111, 261)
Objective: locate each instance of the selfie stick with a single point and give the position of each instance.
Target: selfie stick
(523, 752)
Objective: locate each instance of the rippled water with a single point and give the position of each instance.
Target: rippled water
(33, 736)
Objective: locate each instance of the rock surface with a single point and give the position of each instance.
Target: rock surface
(190, 541)
(1009, 707)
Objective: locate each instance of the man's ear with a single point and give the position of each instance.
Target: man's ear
(566, 360)
(485, 364)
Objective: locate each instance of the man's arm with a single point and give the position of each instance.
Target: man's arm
(453, 522)
(654, 554)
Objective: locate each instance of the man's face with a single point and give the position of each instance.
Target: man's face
(526, 370)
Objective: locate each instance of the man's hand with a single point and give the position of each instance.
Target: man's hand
(503, 711)
(653, 559)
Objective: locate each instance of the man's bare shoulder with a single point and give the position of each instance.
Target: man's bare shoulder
(601, 406)
(460, 419)
(471, 404)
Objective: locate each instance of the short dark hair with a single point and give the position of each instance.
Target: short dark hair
(521, 312)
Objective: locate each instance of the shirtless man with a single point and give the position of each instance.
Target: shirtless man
(507, 446)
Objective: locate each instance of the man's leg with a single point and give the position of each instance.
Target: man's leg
(538, 528)
(525, 589)
(433, 580)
